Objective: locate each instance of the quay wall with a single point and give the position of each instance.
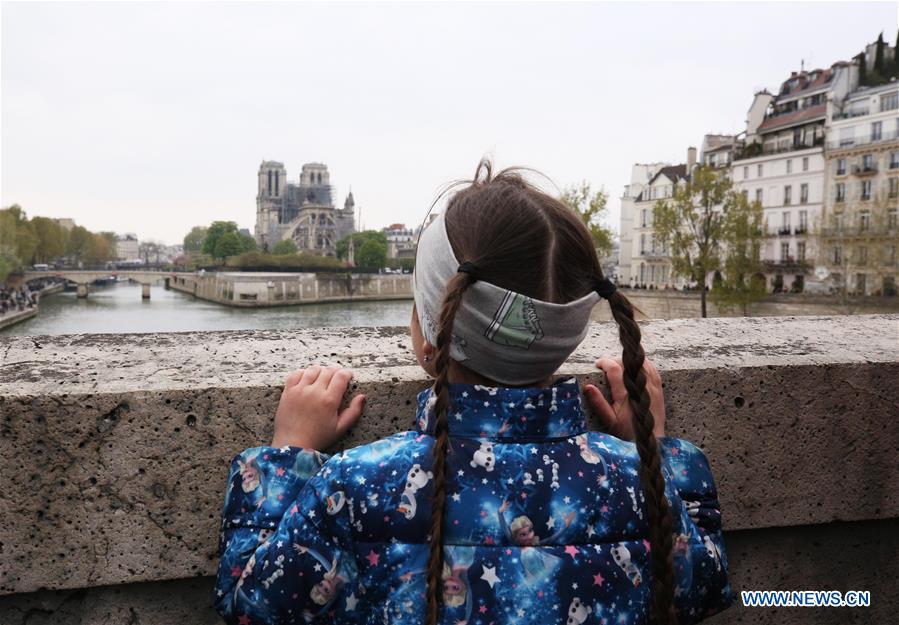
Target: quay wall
(115, 452)
(256, 290)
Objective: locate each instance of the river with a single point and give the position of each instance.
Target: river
(119, 309)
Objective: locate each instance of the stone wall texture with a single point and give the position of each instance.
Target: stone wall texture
(115, 451)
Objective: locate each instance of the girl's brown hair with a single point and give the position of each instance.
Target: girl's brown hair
(521, 239)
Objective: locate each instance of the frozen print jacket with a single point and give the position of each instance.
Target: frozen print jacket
(545, 523)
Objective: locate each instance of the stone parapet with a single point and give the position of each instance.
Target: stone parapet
(116, 446)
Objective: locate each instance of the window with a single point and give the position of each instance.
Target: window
(800, 251)
(866, 190)
(785, 222)
(745, 194)
(862, 255)
(868, 162)
(788, 193)
(804, 163)
(889, 253)
(745, 173)
(894, 187)
(784, 252)
(837, 255)
(894, 157)
(841, 167)
(860, 283)
(759, 170)
(277, 185)
(803, 221)
(643, 218)
(269, 181)
(889, 101)
(642, 244)
(892, 219)
(876, 131)
(789, 166)
(864, 220)
(758, 196)
(840, 189)
(803, 193)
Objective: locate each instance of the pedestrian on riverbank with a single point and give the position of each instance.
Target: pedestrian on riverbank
(500, 506)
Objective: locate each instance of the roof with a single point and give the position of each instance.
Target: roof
(794, 117)
(674, 173)
(805, 81)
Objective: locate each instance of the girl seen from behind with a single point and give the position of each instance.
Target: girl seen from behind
(501, 507)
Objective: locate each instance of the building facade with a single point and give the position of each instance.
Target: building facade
(780, 164)
(127, 247)
(859, 233)
(401, 241)
(303, 211)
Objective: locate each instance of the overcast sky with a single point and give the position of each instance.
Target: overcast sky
(152, 118)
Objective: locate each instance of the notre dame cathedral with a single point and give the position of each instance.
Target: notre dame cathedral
(303, 212)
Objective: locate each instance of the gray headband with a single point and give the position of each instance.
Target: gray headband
(501, 334)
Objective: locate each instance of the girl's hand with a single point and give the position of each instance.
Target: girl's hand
(308, 414)
(618, 416)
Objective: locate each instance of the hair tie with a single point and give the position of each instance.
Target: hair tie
(605, 288)
(470, 269)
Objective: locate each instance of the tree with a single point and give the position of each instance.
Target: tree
(193, 240)
(372, 254)
(286, 246)
(216, 231)
(742, 237)
(591, 207)
(51, 239)
(247, 243)
(878, 55)
(228, 244)
(359, 239)
(691, 224)
(80, 241)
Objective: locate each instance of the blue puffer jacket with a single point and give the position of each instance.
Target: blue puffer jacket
(545, 523)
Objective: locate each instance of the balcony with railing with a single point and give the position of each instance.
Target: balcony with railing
(756, 149)
(850, 114)
(865, 170)
(869, 139)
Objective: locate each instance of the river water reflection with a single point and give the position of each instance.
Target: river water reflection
(119, 309)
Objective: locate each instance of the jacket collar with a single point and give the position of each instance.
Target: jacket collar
(508, 413)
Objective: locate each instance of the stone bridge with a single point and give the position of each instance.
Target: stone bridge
(115, 452)
(83, 278)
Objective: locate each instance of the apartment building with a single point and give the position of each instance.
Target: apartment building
(859, 234)
(780, 164)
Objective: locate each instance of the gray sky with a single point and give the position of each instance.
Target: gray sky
(152, 118)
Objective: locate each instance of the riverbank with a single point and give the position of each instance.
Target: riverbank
(11, 318)
(14, 317)
(265, 290)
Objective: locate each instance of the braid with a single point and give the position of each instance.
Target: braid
(456, 287)
(660, 520)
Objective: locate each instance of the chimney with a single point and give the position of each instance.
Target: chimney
(691, 159)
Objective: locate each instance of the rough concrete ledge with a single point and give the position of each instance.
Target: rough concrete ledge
(116, 447)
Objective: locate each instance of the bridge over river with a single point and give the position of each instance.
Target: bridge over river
(83, 278)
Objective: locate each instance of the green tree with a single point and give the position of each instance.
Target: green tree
(228, 244)
(17, 238)
(878, 55)
(591, 207)
(51, 239)
(372, 254)
(359, 239)
(691, 224)
(247, 243)
(287, 246)
(741, 284)
(216, 231)
(193, 240)
(79, 244)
